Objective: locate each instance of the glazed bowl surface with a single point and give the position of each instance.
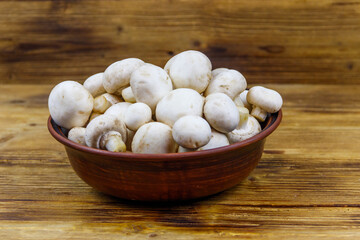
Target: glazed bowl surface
(166, 177)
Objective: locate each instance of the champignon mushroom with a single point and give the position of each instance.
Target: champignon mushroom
(216, 71)
(70, 104)
(118, 110)
(154, 137)
(128, 95)
(217, 140)
(99, 133)
(221, 112)
(77, 134)
(191, 131)
(178, 103)
(137, 114)
(264, 101)
(240, 100)
(248, 127)
(190, 69)
(230, 82)
(94, 84)
(149, 84)
(104, 101)
(117, 75)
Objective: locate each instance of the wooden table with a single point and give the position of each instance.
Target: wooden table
(307, 185)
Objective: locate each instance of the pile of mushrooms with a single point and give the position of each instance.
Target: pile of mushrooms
(139, 107)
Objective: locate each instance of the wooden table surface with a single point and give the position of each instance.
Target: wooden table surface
(307, 185)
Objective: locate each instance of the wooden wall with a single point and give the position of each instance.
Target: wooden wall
(278, 41)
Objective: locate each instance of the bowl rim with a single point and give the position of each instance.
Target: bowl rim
(273, 123)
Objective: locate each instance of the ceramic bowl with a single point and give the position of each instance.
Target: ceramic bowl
(166, 177)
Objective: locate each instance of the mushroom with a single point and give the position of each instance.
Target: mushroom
(117, 75)
(240, 100)
(118, 110)
(104, 101)
(70, 104)
(129, 139)
(100, 133)
(221, 112)
(191, 131)
(217, 140)
(189, 69)
(178, 103)
(77, 134)
(154, 137)
(264, 101)
(149, 84)
(137, 114)
(128, 95)
(216, 71)
(230, 82)
(94, 115)
(94, 84)
(248, 127)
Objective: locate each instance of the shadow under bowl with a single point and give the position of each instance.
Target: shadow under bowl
(166, 177)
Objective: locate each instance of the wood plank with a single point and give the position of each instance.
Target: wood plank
(305, 187)
(43, 41)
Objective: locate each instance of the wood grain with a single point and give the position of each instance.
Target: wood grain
(43, 41)
(306, 186)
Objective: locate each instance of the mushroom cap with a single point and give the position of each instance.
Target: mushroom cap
(153, 138)
(149, 84)
(230, 82)
(94, 84)
(118, 110)
(136, 115)
(190, 69)
(191, 131)
(221, 112)
(70, 104)
(77, 134)
(100, 126)
(178, 103)
(217, 140)
(250, 129)
(117, 75)
(265, 98)
(128, 95)
(216, 71)
(104, 101)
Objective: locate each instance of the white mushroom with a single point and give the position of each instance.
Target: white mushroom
(230, 82)
(154, 137)
(117, 75)
(100, 133)
(70, 104)
(216, 71)
(104, 101)
(221, 112)
(190, 69)
(191, 131)
(128, 95)
(137, 114)
(94, 84)
(149, 84)
(264, 101)
(118, 110)
(77, 134)
(178, 103)
(240, 100)
(217, 140)
(182, 149)
(94, 115)
(248, 127)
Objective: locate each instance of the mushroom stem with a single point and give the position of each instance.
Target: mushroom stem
(259, 113)
(112, 141)
(244, 116)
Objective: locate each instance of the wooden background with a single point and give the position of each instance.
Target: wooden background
(307, 184)
(280, 41)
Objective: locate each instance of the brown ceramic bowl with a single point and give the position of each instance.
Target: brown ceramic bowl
(166, 177)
